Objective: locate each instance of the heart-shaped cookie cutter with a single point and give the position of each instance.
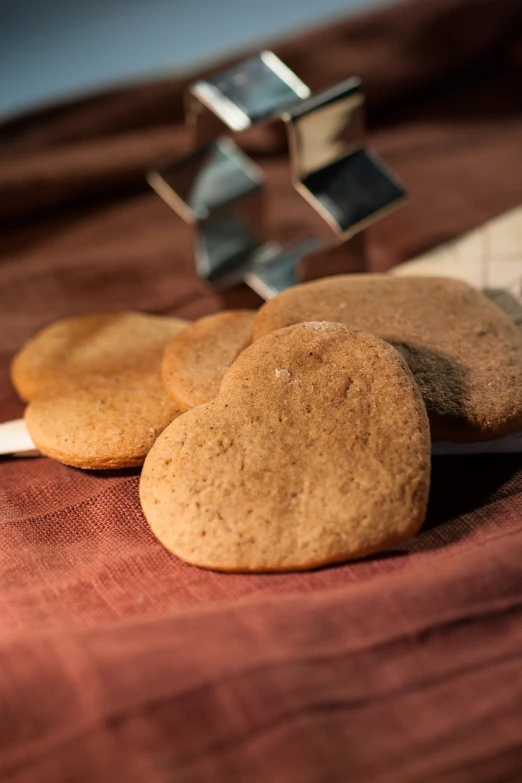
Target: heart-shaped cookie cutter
(219, 190)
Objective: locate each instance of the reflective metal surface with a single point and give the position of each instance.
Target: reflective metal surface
(229, 240)
(348, 185)
(219, 189)
(325, 128)
(354, 191)
(270, 278)
(253, 91)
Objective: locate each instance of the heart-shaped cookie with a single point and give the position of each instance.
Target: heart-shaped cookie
(465, 353)
(195, 360)
(316, 450)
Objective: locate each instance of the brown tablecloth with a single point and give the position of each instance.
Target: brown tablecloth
(119, 662)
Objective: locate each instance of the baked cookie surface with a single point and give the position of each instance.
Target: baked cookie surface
(316, 450)
(196, 360)
(465, 353)
(101, 422)
(95, 391)
(98, 343)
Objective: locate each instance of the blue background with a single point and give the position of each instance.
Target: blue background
(51, 49)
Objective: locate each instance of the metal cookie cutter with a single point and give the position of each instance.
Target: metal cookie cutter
(220, 190)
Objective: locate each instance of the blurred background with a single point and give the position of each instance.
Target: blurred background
(53, 49)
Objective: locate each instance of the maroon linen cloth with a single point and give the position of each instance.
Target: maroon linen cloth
(118, 661)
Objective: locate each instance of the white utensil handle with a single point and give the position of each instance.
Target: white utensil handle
(14, 438)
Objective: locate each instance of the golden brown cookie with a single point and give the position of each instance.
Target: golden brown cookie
(94, 382)
(316, 450)
(196, 360)
(100, 344)
(100, 422)
(465, 353)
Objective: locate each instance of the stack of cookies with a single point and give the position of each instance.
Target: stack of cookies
(287, 438)
(94, 388)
